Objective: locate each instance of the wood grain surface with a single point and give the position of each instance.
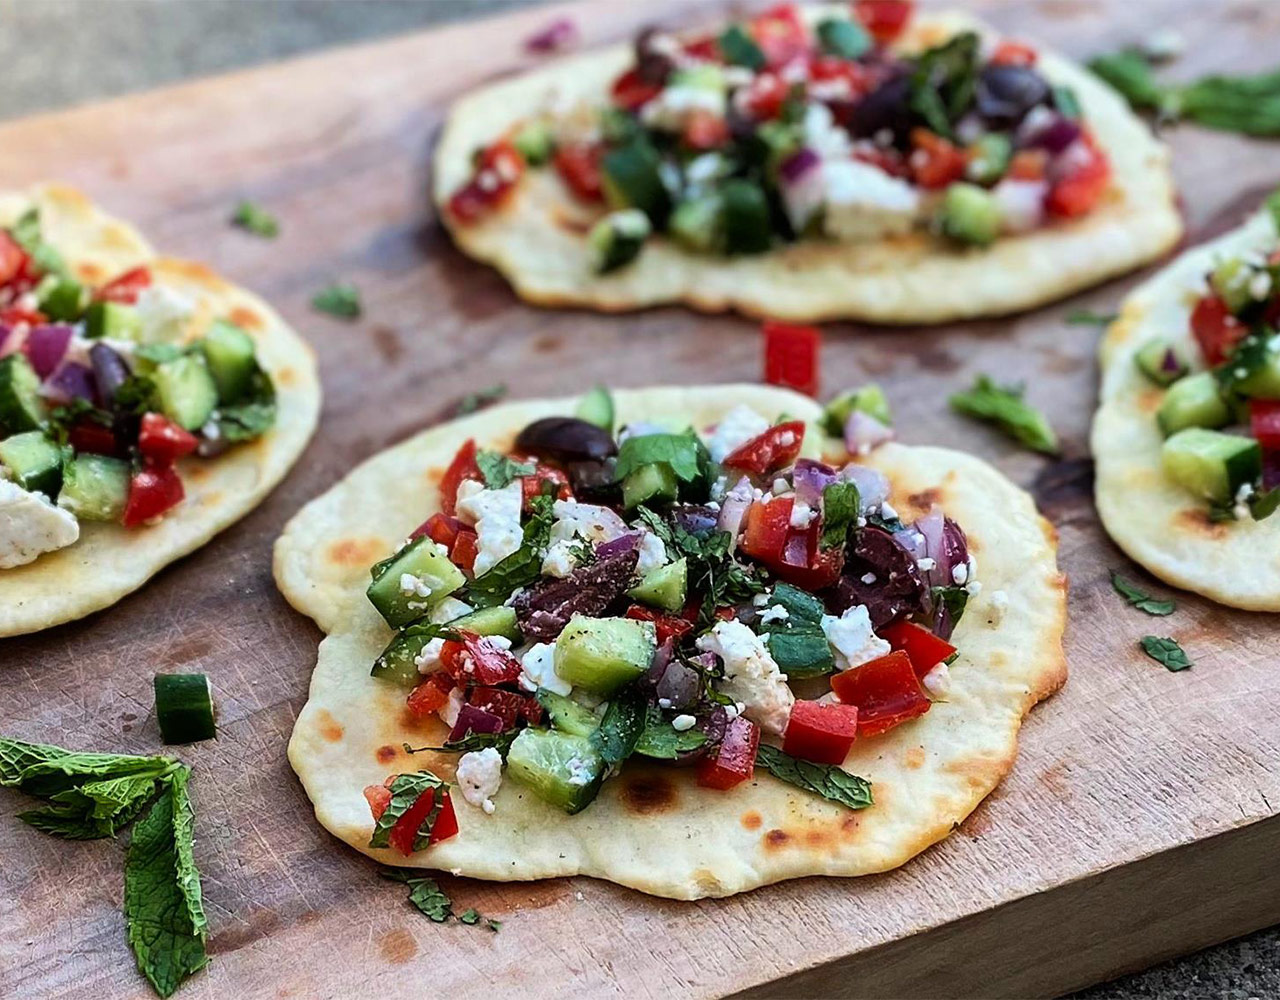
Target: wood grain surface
(1138, 821)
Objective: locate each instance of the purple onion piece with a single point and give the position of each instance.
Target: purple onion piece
(1055, 135)
(873, 485)
(796, 550)
(71, 381)
(474, 720)
(109, 369)
(46, 346)
(810, 478)
(1171, 363)
(862, 432)
(733, 508)
(559, 34)
(619, 545)
(796, 166)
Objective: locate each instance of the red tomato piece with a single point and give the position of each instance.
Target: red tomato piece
(405, 832)
(440, 528)
(767, 525)
(1028, 165)
(13, 259)
(465, 549)
(823, 569)
(884, 19)
(765, 96)
(378, 797)
(498, 169)
(705, 130)
(631, 92)
(791, 356)
(889, 160)
(923, 648)
(162, 442)
(1010, 53)
(508, 706)
(462, 467)
(152, 491)
(478, 660)
(704, 47)
(666, 626)
(430, 696)
(781, 34)
(886, 691)
(934, 161)
(1080, 190)
(822, 732)
(13, 316)
(1216, 329)
(861, 79)
(775, 449)
(92, 437)
(579, 167)
(1264, 421)
(735, 759)
(126, 288)
(535, 484)
(791, 553)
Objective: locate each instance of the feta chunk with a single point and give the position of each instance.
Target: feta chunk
(682, 722)
(937, 682)
(676, 104)
(495, 515)
(852, 639)
(776, 613)
(559, 561)
(802, 515)
(413, 586)
(30, 526)
(652, 553)
(163, 313)
(538, 670)
(999, 605)
(751, 675)
(480, 777)
(735, 429)
(865, 203)
(428, 661)
(585, 520)
(449, 609)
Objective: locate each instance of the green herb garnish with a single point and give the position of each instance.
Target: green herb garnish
(620, 728)
(338, 300)
(254, 219)
(405, 790)
(499, 471)
(1139, 599)
(1166, 652)
(433, 902)
(479, 399)
(1087, 317)
(473, 741)
(840, 506)
(944, 82)
(663, 741)
(683, 452)
(1005, 407)
(828, 780)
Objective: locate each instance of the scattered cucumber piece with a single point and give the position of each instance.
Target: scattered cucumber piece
(990, 159)
(63, 300)
(617, 239)
(596, 407)
(969, 214)
(844, 38)
(184, 708)
(663, 587)
(112, 319)
(229, 356)
(1162, 362)
(35, 461)
(186, 391)
(740, 49)
(1263, 380)
(21, 408)
(95, 487)
(500, 620)
(800, 605)
(603, 654)
(567, 715)
(747, 226)
(535, 142)
(1194, 401)
(869, 399)
(560, 768)
(430, 567)
(1211, 464)
(397, 663)
(652, 483)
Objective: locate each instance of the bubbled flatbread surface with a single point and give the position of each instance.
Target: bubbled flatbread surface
(652, 828)
(110, 561)
(1158, 523)
(537, 240)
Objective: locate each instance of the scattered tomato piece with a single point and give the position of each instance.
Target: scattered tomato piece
(498, 170)
(477, 660)
(12, 258)
(1264, 421)
(579, 167)
(886, 692)
(430, 696)
(462, 467)
(631, 91)
(1216, 329)
(776, 448)
(821, 731)
(781, 34)
(86, 435)
(378, 797)
(666, 626)
(465, 549)
(791, 356)
(1010, 53)
(885, 19)
(405, 832)
(1081, 189)
(126, 288)
(934, 161)
(1028, 165)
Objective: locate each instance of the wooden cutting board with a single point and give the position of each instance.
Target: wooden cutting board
(1139, 823)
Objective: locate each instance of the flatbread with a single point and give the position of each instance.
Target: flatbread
(652, 828)
(110, 561)
(538, 239)
(1157, 522)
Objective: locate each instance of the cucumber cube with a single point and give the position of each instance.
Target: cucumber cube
(95, 487)
(500, 620)
(1194, 401)
(1162, 362)
(650, 484)
(969, 214)
(35, 461)
(112, 319)
(229, 356)
(1211, 464)
(186, 391)
(567, 715)
(63, 300)
(21, 408)
(596, 407)
(413, 581)
(560, 768)
(604, 654)
(869, 399)
(664, 587)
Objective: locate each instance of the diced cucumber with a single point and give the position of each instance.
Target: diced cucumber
(747, 227)
(35, 461)
(500, 620)
(663, 587)
(617, 239)
(21, 408)
(869, 399)
(603, 654)
(969, 214)
(63, 300)
(567, 715)
(184, 708)
(561, 769)
(1162, 362)
(1211, 464)
(801, 650)
(990, 159)
(186, 391)
(431, 571)
(95, 487)
(631, 179)
(740, 49)
(397, 663)
(1194, 401)
(1231, 279)
(800, 605)
(535, 142)
(697, 223)
(844, 38)
(652, 483)
(1263, 381)
(112, 319)
(229, 354)
(596, 407)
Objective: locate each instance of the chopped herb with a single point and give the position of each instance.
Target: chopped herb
(954, 599)
(405, 790)
(685, 453)
(1140, 600)
(1005, 407)
(135, 395)
(1263, 505)
(828, 780)
(1166, 652)
(712, 570)
(256, 220)
(1087, 317)
(338, 300)
(426, 895)
(479, 399)
(840, 508)
(663, 741)
(944, 82)
(499, 471)
(473, 741)
(619, 730)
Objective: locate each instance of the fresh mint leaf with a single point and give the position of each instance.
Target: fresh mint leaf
(799, 604)
(1166, 652)
(255, 219)
(828, 780)
(523, 566)
(479, 399)
(338, 300)
(1263, 505)
(405, 790)
(471, 917)
(943, 82)
(44, 771)
(474, 741)
(253, 414)
(1139, 599)
(1005, 407)
(164, 913)
(661, 740)
(136, 395)
(954, 599)
(424, 893)
(682, 452)
(619, 730)
(1087, 317)
(499, 471)
(840, 508)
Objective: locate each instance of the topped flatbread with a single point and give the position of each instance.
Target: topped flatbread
(826, 162)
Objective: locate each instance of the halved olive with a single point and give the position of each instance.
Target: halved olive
(566, 439)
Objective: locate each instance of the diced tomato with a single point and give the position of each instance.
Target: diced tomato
(430, 696)
(886, 691)
(822, 571)
(1028, 165)
(498, 170)
(860, 78)
(1080, 190)
(667, 626)
(508, 706)
(923, 648)
(440, 528)
(152, 491)
(765, 96)
(1264, 421)
(1010, 53)
(885, 19)
(631, 91)
(767, 525)
(579, 167)
(735, 759)
(476, 659)
(378, 797)
(1216, 329)
(791, 356)
(462, 467)
(86, 435)
(934, 161)
(162, 442)
(126, 288)
(776, 448)
(705, 129)
(822, 732)
(14, 316)
(781, 34)
(12, 258)
(703, 47)
(465, 549)
(792, 553)
(405, 832)
(542, 474)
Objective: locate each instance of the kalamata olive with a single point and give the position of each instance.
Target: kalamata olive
(888, 107)
(653, 63)
(566, 439)
(109, 370)
(1006, 93)
(895, 587)
(695, 518)
(595, 482)
(545, 608)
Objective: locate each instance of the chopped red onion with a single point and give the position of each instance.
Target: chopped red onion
(109, 369)
(810, 479)
(619, 545)
(559, 34)
(474, 720)
(862, 432)
(1052, 134)
(799, 163)
(733, 508)
(802, 186)
(1021, 204)
(71, 381)
(45, 347)
(873, 485)
(796, 550)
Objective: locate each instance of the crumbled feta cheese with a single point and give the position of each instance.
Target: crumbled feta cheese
(868, 578)
(496, 517)
(452, 706)
(538, 670)
(960, 574)
(664, 702)
(802, 515)
(675, 105)
(760, 600)
(927, 563)
(30, 526)
(585, 520)
(751, 675)
(449, 609)
(428, 661)
(852, 638)
(937, 682)
(559, 561)
(580, 772)
(413, 586)
(822, 134)
(999, 604)
(1241, 508)
(719, 488)
(780, 486)
(652, 553)
(735, 429)
(865, 203)
(887, 512)
(480, 776)
(973, 588)
(682, 722)
(163, 313)
(777, 613)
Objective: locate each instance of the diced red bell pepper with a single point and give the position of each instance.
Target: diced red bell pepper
(1216, 329)
(631, 91)
(666, 626)
(126, 288)
(508, 706)
(765, 96)
(12, 258)
(405, 832)
(579, 167)
(884, 19)
(791, 356)
(1009, 53)
(934, 161)
(378, 797)
(498, 170)
(533, 485)
(822, 732)
(791, 553)
(152, 491)
(767, 525)
(465, 549)
(440, 528)
(1264, 421)
(704, 130)
(88, 436)
(775, 449)
(886, 691)
(703, 47)
(15, 316)
(1079, 191)
(734, 760)
(923, 648)
(430, 696)
(1028, 165)
(462, 467)
(477, 660)
(162, 442)
(781, 34)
